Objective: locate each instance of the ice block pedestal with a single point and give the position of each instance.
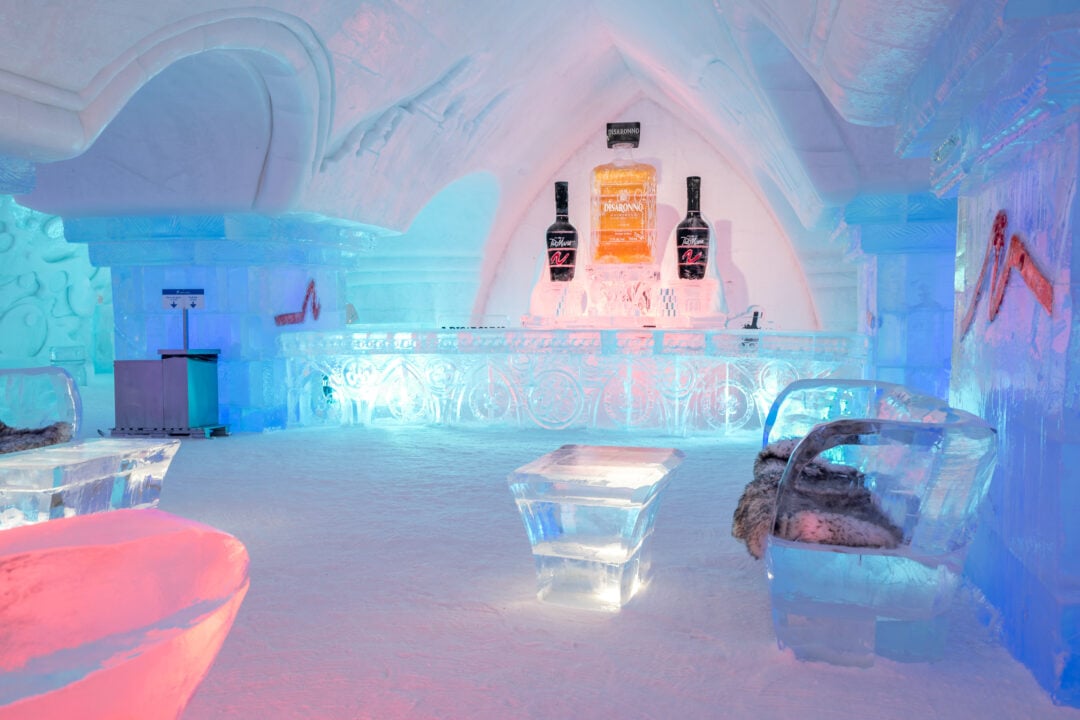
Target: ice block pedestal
(589, 511)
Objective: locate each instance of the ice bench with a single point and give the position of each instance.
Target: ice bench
(928, 466)
(77, 477)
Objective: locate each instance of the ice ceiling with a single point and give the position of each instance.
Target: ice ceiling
(366, 110)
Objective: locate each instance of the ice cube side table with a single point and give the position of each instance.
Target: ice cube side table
(589, 511)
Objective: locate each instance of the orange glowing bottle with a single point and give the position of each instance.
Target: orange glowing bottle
(623, 202)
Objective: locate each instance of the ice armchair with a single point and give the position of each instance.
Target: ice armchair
(926, 467)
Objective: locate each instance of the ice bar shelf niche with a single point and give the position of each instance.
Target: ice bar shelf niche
(589, 512)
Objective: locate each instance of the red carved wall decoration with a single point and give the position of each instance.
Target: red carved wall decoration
(295, 318)
(1003, 261)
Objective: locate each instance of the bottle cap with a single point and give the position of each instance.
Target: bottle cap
(624, 133)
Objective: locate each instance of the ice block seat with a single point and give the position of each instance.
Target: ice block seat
(927, 466)
(116, 615)
(76, 477)
(589, 511)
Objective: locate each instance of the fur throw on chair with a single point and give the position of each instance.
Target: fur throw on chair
(827, 504)
(16, 439)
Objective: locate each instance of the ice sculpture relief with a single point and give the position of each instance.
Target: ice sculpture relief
(295, 318)
(49, 292)
(1001, 261)
(679, 381)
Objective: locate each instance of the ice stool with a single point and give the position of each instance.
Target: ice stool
(928, 466)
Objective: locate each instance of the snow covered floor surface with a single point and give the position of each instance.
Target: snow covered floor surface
(391, 578)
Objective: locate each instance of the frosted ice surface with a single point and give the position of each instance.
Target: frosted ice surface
(36, 397)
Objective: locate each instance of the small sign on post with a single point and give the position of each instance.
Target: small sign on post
(182, 299)
(173, 299)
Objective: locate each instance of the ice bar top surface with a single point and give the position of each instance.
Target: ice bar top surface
(603, 465)
(371, 340)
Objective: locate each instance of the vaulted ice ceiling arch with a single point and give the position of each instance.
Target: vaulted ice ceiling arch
(458, 88)
(254, 56)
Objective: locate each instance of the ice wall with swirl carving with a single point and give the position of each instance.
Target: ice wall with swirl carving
(50, 295)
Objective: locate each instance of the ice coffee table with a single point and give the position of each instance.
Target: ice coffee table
(589, 511)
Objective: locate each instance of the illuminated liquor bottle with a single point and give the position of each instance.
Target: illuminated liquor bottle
(692, 235)
(561, 238)
(623, 202)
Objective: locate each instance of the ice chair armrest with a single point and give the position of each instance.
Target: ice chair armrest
(960, 458)
(858, 431)
(813, 388)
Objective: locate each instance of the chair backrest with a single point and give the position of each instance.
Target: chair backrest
(929, 465)
(39, 396)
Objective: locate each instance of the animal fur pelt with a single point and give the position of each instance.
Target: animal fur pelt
(16, 439)
(828, 504)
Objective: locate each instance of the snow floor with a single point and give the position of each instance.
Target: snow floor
(391, 577)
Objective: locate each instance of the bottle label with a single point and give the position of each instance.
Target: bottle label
(692, 249)
(622, 207)
(561, 254)
(561, 264)
(561, 258)
(695, 240)
(691, 256)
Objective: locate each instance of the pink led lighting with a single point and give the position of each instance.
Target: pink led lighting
(113, 615)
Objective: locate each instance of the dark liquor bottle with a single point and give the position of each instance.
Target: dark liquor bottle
(692, 235)
(561, 238)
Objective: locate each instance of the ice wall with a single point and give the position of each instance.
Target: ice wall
(50, 295)
(429, 276)
(332, 108)
(261, 276)
(907, 244)
(1014, 160)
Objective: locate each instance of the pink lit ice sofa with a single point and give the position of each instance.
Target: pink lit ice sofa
(113, 615)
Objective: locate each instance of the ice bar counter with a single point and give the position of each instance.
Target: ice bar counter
(589, 512)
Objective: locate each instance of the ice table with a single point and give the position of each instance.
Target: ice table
(82, 477)
(589, 511)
